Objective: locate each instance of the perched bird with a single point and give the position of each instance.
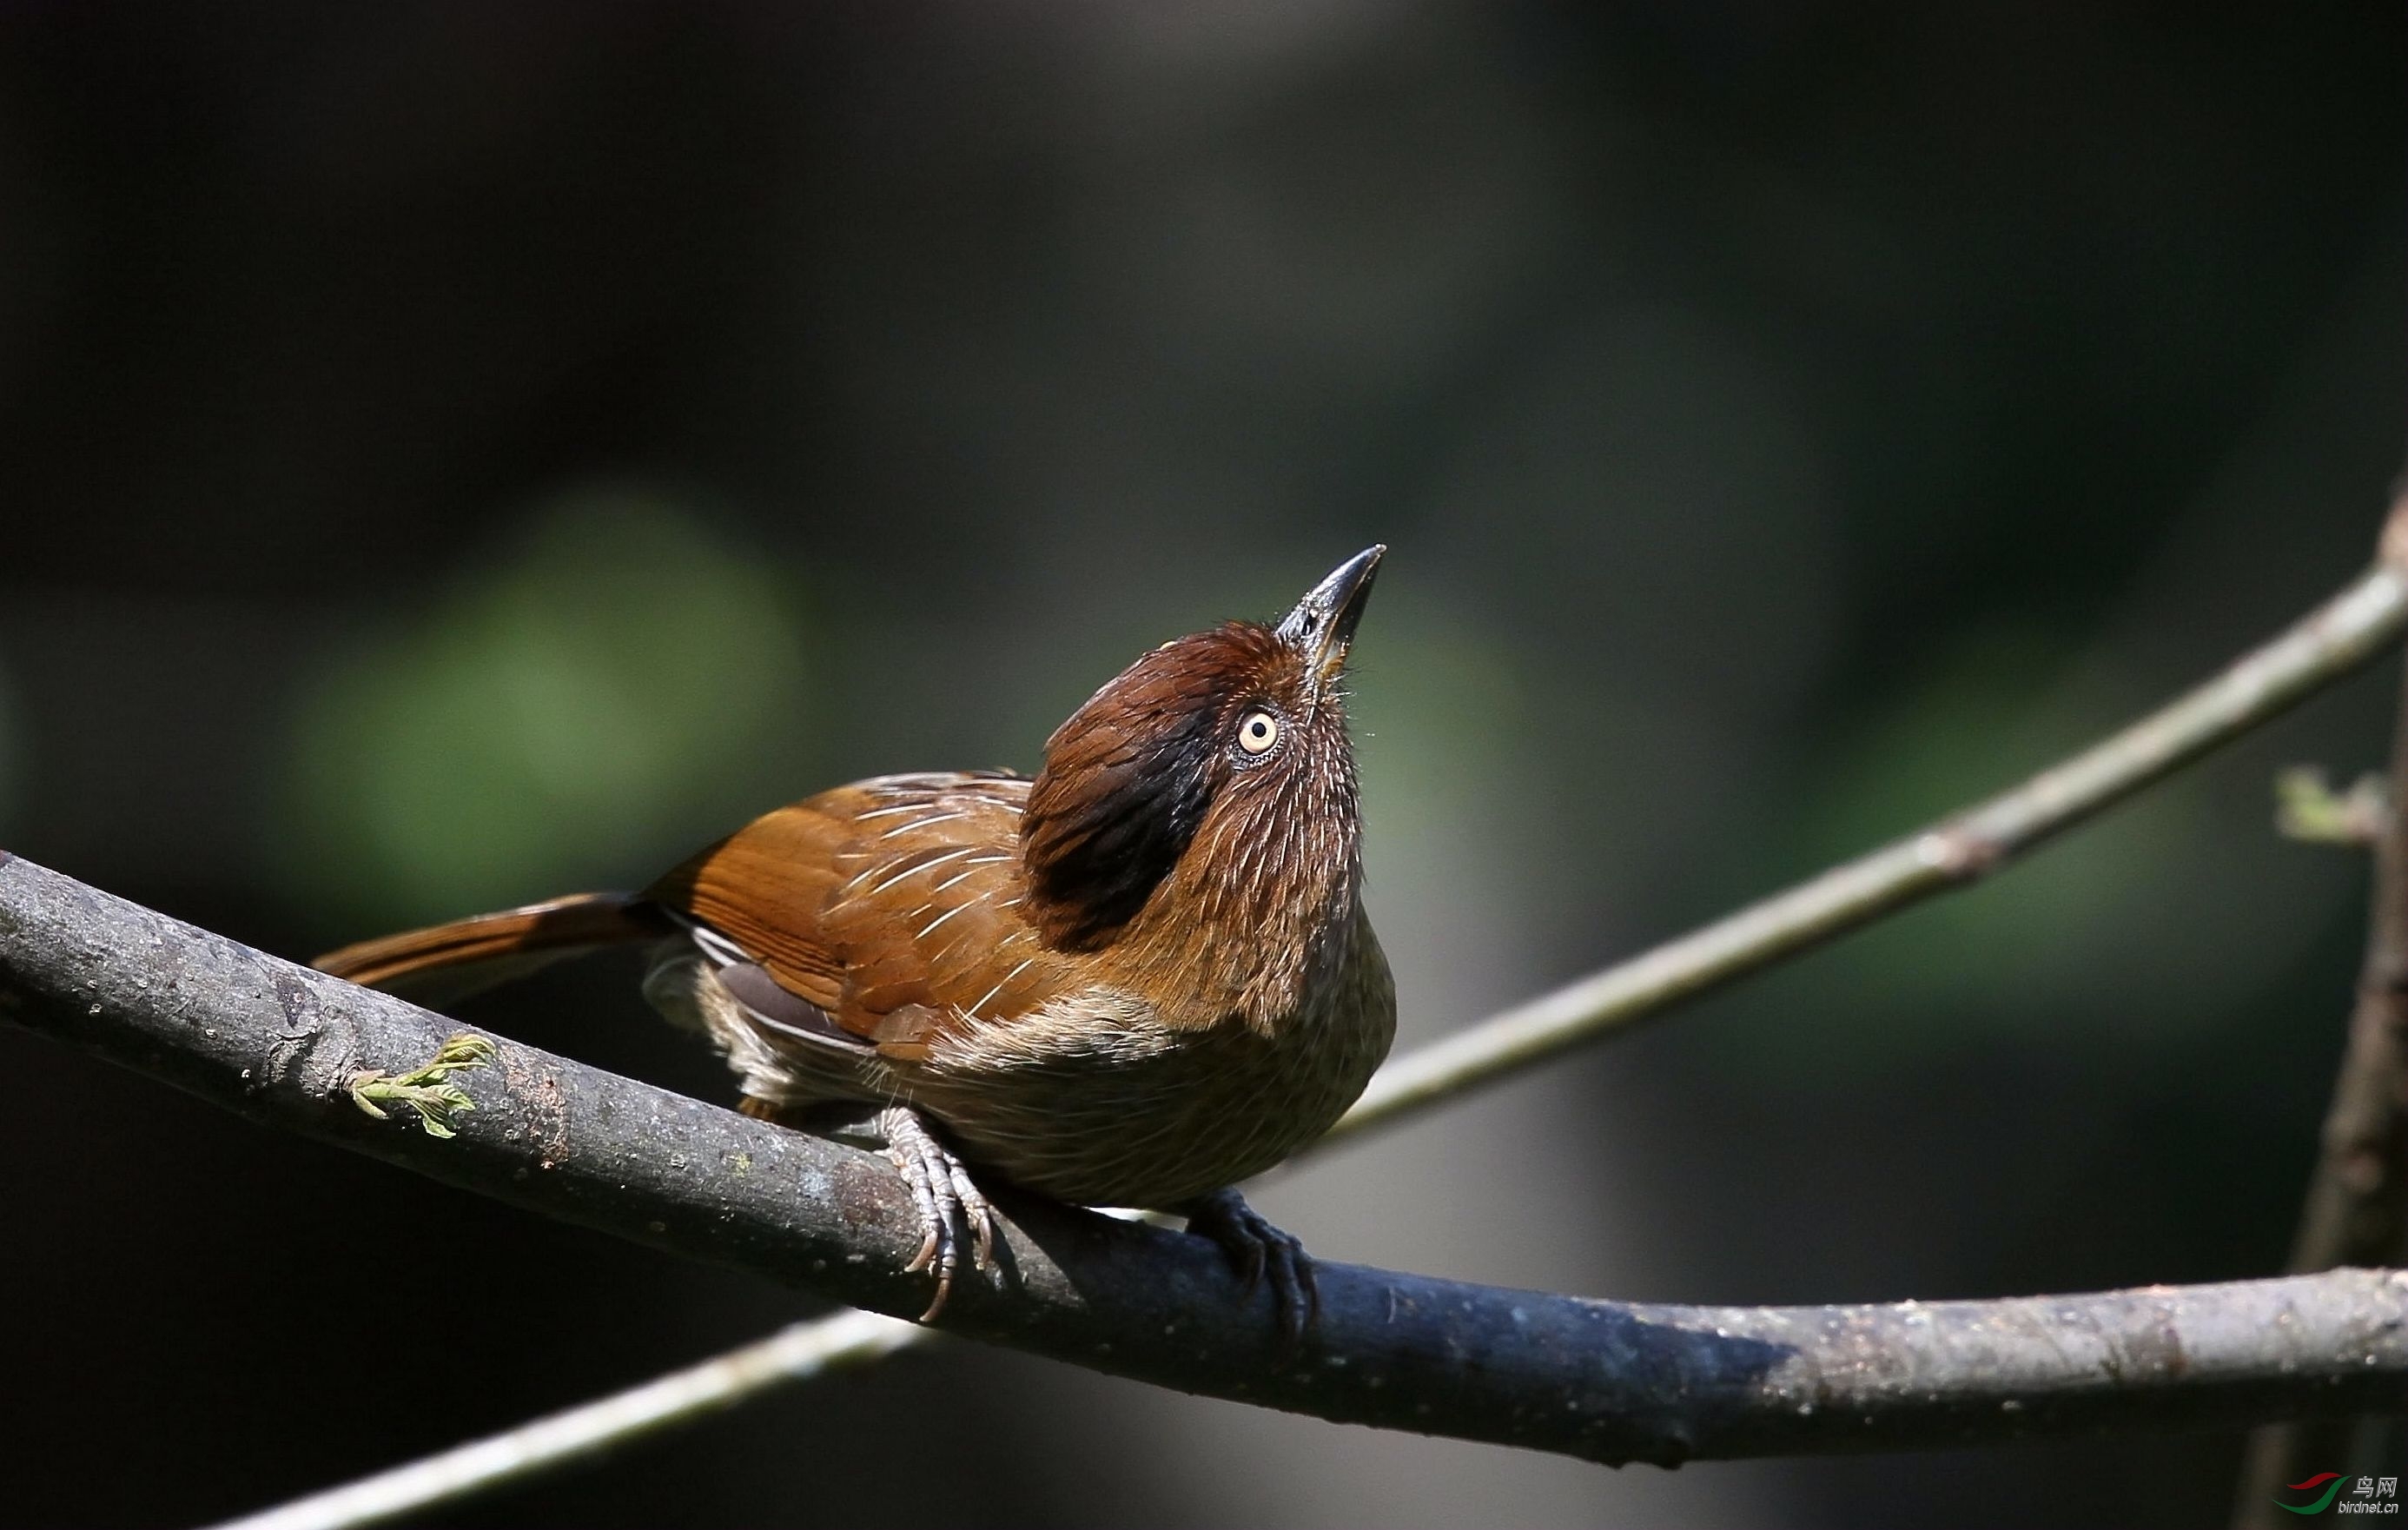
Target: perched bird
(1133, 981)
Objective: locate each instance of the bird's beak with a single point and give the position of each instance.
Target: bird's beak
(1322, 625)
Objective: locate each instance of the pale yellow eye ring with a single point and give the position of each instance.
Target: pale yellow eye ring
(1258, 732)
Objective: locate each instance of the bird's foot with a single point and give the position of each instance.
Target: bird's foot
(1256, 1247)
(946, 1196)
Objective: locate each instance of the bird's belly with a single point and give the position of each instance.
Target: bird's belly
(1092, 1100)
(1139, 1114)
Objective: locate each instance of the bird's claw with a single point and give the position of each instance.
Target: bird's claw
(1256, 1247)
(946, 1197)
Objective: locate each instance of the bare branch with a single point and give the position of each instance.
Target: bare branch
(793, 1353)
(2331, 642)
(2357, 1210)
(1604, 1381)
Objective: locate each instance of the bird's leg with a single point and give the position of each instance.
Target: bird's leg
(945, 1194)
(1255, 1245)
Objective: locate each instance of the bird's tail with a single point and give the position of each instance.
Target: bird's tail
(449, 961)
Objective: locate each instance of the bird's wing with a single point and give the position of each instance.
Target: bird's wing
(892, 906)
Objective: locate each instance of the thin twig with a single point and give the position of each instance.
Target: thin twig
(2329, 643)
(2335, 639)
(795, 1353)
(2357, 1207)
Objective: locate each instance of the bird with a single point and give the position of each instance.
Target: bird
(1135, 980)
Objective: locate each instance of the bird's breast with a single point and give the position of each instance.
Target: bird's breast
(1099, 1098)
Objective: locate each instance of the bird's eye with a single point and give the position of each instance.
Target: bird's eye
(1258, 732)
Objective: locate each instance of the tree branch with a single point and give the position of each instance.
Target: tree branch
(2344, 632)
(2356, 1208)
(1607, 1382)
(2329, 643)
(797, 1352)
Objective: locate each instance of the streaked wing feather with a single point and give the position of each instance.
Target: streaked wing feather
(892, 905)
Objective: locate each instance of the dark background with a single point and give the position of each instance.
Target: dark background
(457, 454)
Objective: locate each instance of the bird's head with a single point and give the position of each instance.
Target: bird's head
(1217, 765)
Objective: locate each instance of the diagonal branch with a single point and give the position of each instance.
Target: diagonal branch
(797, 1352)
(2353, 626)
(2329, 643)
(1602, 1381)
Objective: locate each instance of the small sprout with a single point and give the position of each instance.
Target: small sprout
(428, 1090)
(2307, 808)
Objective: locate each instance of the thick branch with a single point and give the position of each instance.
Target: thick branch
(1609, 1381)
(2329, 643)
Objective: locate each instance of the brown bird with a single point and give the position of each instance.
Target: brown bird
(1133, 981)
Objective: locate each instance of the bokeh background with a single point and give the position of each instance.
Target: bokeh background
(457, 454)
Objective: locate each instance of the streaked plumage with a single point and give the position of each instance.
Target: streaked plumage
(1136, 980)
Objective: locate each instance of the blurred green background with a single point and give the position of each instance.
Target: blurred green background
(452, 455)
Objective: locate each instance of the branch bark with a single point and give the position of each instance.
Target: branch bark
(1603, 1380)
(2330, 642)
